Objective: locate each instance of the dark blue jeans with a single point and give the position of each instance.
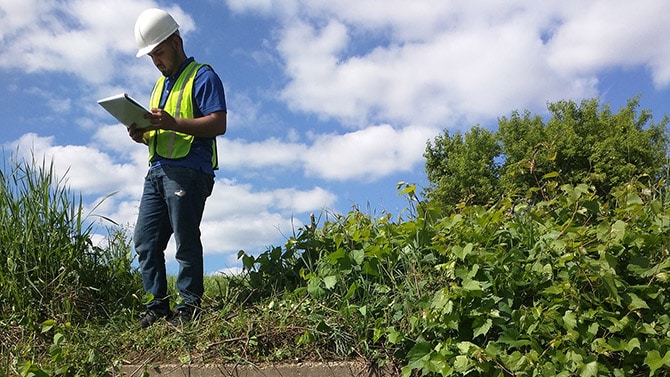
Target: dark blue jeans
(172, 203)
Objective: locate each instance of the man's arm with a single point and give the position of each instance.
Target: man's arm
(210, 125)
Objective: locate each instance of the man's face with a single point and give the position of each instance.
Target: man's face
(165, 57)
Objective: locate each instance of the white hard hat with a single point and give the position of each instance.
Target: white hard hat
(152, 27)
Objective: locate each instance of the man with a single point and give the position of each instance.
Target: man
(188, 111)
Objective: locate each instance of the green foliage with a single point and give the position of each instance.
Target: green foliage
(52, 266)
(278, 270)
(53, 273)
(584, 143)
(463, 168)
(571, 285)
(564, 287)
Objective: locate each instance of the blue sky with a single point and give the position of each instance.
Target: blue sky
(330, 102)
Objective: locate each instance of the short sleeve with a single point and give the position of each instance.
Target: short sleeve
(208, 91)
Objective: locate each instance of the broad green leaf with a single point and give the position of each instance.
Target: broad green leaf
(466, 348)
(483, 329)
(600, 346)
(408, 188)
(648, 329)
(610, 284)
(147, 298)
(569, 320)
(592, 206)
(633, 344)
(419, 354)
(618, 231)
(618, 325)
(440, 298)
(330, 281)
(462, 252)
(335, 256)
(314, 287)
(306, 337)
(471, 285)
(358, 256)
(588, 370)
(654, 360)
(635, 302)
(58, 339)
(32, 370)
(603, 231)
(515, 361)
(185, 359)
(437, 363)
(393, 335)
(352, 290)
(633, 200)
(553, 290)
(248, 261)
(574, 356)
(593, 329)
(511, 338)
(462, 364)
(48, 325)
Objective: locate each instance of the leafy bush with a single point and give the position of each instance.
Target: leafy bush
(565, 287)
(569, 286)
(585, 143)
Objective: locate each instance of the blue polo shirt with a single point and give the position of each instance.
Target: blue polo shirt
(209, 97)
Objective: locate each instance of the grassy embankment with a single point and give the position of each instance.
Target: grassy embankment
(568, 286)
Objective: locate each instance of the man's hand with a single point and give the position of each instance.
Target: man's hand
(135, 134)
(210, 125)
(161, 120)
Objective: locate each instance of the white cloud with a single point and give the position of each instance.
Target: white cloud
(303, 201)
(229, 271)
(85, 169)
(367, 154)
(436, 62)
(86, 38)
(429, 80)
(608, 34)
(249, 233)
(236, 154)
(231, 198)
(264, 7)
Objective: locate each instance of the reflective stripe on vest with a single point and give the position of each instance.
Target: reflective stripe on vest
(179, 104)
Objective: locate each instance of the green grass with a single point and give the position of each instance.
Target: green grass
(568, 286)
(53, 272)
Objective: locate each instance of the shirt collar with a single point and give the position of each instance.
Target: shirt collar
(181, 69)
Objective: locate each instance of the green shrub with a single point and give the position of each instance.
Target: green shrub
(569, 286)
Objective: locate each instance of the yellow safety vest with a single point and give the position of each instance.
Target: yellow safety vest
(179, 104)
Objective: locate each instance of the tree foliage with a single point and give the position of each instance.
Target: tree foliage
(463, 167)
(578, 143)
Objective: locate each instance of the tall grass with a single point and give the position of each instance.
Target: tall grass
(52, 270)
